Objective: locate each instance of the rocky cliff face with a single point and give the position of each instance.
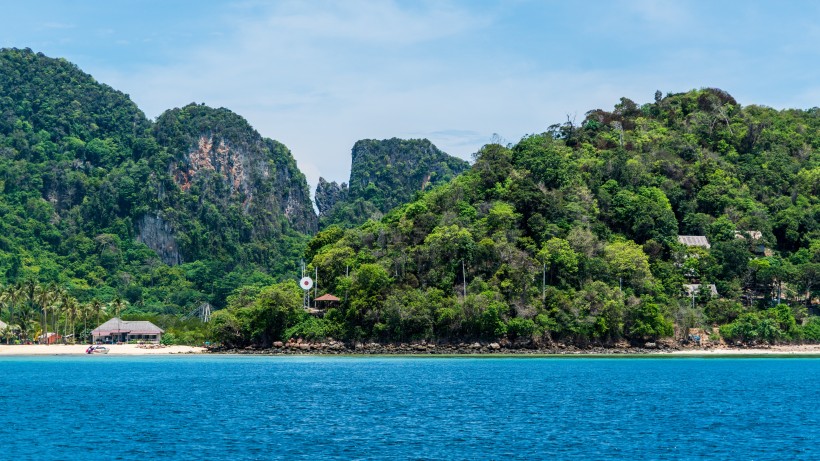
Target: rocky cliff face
(290, 189)
(156, 233)
(328, 194)
(384, 174)
(216, 144)
(242, 187)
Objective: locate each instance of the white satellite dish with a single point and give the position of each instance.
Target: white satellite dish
(306, 283)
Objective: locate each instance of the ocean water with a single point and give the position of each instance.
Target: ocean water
(237, 407)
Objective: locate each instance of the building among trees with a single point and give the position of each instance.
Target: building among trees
(123, 331)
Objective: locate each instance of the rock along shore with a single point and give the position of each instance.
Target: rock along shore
(664, 348)
(424, 348)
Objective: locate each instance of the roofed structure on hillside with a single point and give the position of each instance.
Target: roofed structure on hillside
(692, 288)
(327, 297)
(694, 241)
(116, 331)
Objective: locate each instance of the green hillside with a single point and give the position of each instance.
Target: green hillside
(636, 224)
(103, 204)
(572, 235)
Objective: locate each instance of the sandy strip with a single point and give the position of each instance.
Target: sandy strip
(133, 349)
(804, 349)
(79, 349)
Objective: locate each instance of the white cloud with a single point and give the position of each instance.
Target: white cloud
(318, 76)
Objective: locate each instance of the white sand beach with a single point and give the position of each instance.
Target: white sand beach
(79, 349)
(804, 349)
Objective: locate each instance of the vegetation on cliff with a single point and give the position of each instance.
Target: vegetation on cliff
(572, 235)
(384, 174)
(108, 205)
(636, 223)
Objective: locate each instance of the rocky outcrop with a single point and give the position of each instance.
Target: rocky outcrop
(329, 194)
(384, 174)
(243, 188)
(290, 190)
(208, 157)
(333, 347)
(157, 234)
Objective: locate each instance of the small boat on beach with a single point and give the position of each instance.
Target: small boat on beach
(97, 350)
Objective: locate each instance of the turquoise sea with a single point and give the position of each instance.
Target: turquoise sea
(239, 407)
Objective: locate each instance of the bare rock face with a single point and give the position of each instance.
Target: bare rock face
(237, 188)
(156, 234)
(329, 194)
(220, 159)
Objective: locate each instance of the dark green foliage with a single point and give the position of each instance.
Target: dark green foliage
(571, 235)
(100, 200)
(568, 235)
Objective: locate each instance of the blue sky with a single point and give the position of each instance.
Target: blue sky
(319, 75)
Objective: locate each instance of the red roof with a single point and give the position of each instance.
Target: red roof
(327, 297)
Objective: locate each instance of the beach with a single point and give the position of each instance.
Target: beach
(79, 349)
(796, 349)
(137, 349)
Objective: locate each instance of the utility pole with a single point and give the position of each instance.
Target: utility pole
(544, 284)
(464, 278)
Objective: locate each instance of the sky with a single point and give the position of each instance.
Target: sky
(320, 75)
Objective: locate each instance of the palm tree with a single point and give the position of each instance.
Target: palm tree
(95, 308)
(29, 298)
(86, 310)
(117, 304)
(4, 304)
(44, 297)
(59, 297)
(27, 320)
(72, 310)
(13, 296)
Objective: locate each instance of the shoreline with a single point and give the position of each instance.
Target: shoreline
(430, 350)
(23, 350)
(419, 350)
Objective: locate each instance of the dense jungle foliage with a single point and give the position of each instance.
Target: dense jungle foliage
(103, 203)
(569, 235)
(572, 235)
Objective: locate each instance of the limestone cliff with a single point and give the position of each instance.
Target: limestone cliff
(241, 187)
(384, 174)
(329, 194)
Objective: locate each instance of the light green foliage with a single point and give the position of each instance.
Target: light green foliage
(560, 260)
(644, 215)
(262, 321)
(646, 321)
(627, 262)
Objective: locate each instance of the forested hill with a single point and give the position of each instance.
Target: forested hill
(163, 216)
(384, 174)
(591, 232)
